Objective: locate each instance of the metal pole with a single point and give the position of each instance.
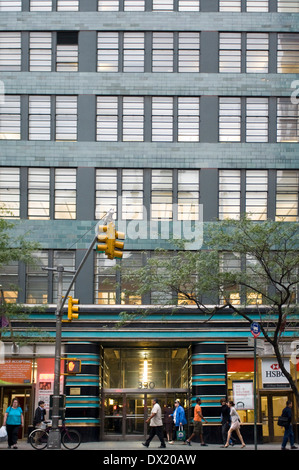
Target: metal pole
(254, 394)
(54, 441)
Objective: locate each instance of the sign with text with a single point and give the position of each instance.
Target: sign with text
(272, 376)
(243, 394)
(15, 371)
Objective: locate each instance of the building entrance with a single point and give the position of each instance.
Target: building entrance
(271, 406)
(7, 394)
(124, 412)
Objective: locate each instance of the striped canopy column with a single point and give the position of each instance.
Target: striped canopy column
(82, 390)
(209, 378)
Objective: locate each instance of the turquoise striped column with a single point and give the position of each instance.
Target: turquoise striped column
(82, 390)
(209, 377)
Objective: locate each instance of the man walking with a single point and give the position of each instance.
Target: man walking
(288, 428)
(156, 425)
(197, 424)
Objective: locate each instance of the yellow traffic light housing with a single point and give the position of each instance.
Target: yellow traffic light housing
(109, 242)
(73, 309)
(73, 366)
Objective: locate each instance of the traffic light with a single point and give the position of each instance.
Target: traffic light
(73, 309)
(110, 242)
(73, 366)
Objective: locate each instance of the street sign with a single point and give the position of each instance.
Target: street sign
(255, 329)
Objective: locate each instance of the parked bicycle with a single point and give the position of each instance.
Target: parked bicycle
(70, 438)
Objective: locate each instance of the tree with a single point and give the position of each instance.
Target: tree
(242, 264)
(13, 248)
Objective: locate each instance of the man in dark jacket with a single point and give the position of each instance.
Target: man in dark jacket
(39, 415)
(288, 428)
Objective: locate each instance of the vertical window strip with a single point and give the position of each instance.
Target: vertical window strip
(230, 119)
(10, 192)
(39, 193)
(288, 53)
(67, 5)
(162, 53)
(188, 5)
(229, 194)
(66, 118)
(133, 52)
(134, 5)
(66, 259)
(9, 281)
(188, 119)
(37, 279)
(108, 52)
(257, 119)
(287, 120)
(257, 53)
(162, 5)
(188, 52)
(287, 195)
(105, 280)
(40, 52)
(288, 6)
(107, 118)
(162, 119)
(257, 6)
(108, 5)
(39, 117)
(10, 5)
(230, 51)
(10, 51)
(133, 119)
(65, 193)
(230, 5)
(106, 192)
(40, 5)
(188, 194)
(257, 194)
(10, 117)
(132, 194)
(162, 195)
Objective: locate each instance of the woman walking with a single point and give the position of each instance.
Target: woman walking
(13, 419)
(235, 424)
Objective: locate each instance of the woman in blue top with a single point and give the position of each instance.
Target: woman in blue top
(13, 419)
(179, 419)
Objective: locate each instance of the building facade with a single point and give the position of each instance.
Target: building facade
(169, 112)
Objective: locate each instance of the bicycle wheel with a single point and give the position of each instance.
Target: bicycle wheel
(71, 439)
(38, 439)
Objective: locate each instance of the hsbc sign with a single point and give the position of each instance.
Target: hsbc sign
(272, 375)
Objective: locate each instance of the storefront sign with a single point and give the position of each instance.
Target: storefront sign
(15, 371)
(272, 376)
(243, 394)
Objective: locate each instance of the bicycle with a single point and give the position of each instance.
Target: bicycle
(70, 438)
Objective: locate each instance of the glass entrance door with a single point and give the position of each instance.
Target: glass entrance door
(271, 406)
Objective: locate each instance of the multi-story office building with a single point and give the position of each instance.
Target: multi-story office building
(169, 110)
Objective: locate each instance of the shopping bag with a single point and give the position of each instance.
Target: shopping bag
(3, 434)
(181, 434)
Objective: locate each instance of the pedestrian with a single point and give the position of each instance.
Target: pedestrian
(225, 421)
(168, 422)
(156, 425)
(39, 415)
(197, 424)
(179, 419)
(13, 419)
(235, 424)
(288, 427)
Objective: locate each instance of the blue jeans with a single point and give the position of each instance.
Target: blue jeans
(288, 435)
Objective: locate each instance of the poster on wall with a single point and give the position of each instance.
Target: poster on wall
(243, 394)
(45, 381)
(16, 371)
(272, 376)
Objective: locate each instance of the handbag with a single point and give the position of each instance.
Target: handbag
(3, 434)
(283, 421)
(181, 434)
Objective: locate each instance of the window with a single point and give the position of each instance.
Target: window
(230, 262)
(67, 5)
(40, 5)
(133, 118)
(162, 5)
(161, 194)
(10, 5)
(9, 281)
(162, 119)
(188, 195)
(133, 52)
(229, 194)
(256, 194)
(10, 51)
(66, 118)
(105, 280)
(229, 119)
(230, 52)
(257, 53)
(257, 117)
(134, 5)
(67, 52)
(288, 53)
(162, 54)
(106, 192)
(132, 194)
(131, 262)
(65, 193)
(287, 120)
(67, 260)
(10, 117)
(287, 191)
(257, 5)
(39, 193)
(40, 52)
(108, 5)
(10, 191)
(230, 5)
(288, 6)
(188, 119)
(188, 5)
(188, 52)
(107, 52)
(37, 280)
(39, 118)
(107, 118)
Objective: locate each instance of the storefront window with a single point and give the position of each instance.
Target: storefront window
(145, 369)
(240, 379)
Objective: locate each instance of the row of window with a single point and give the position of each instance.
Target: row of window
(168, 52)
(153, 118)
(155, 194)
(283, 6)
(109, 287)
